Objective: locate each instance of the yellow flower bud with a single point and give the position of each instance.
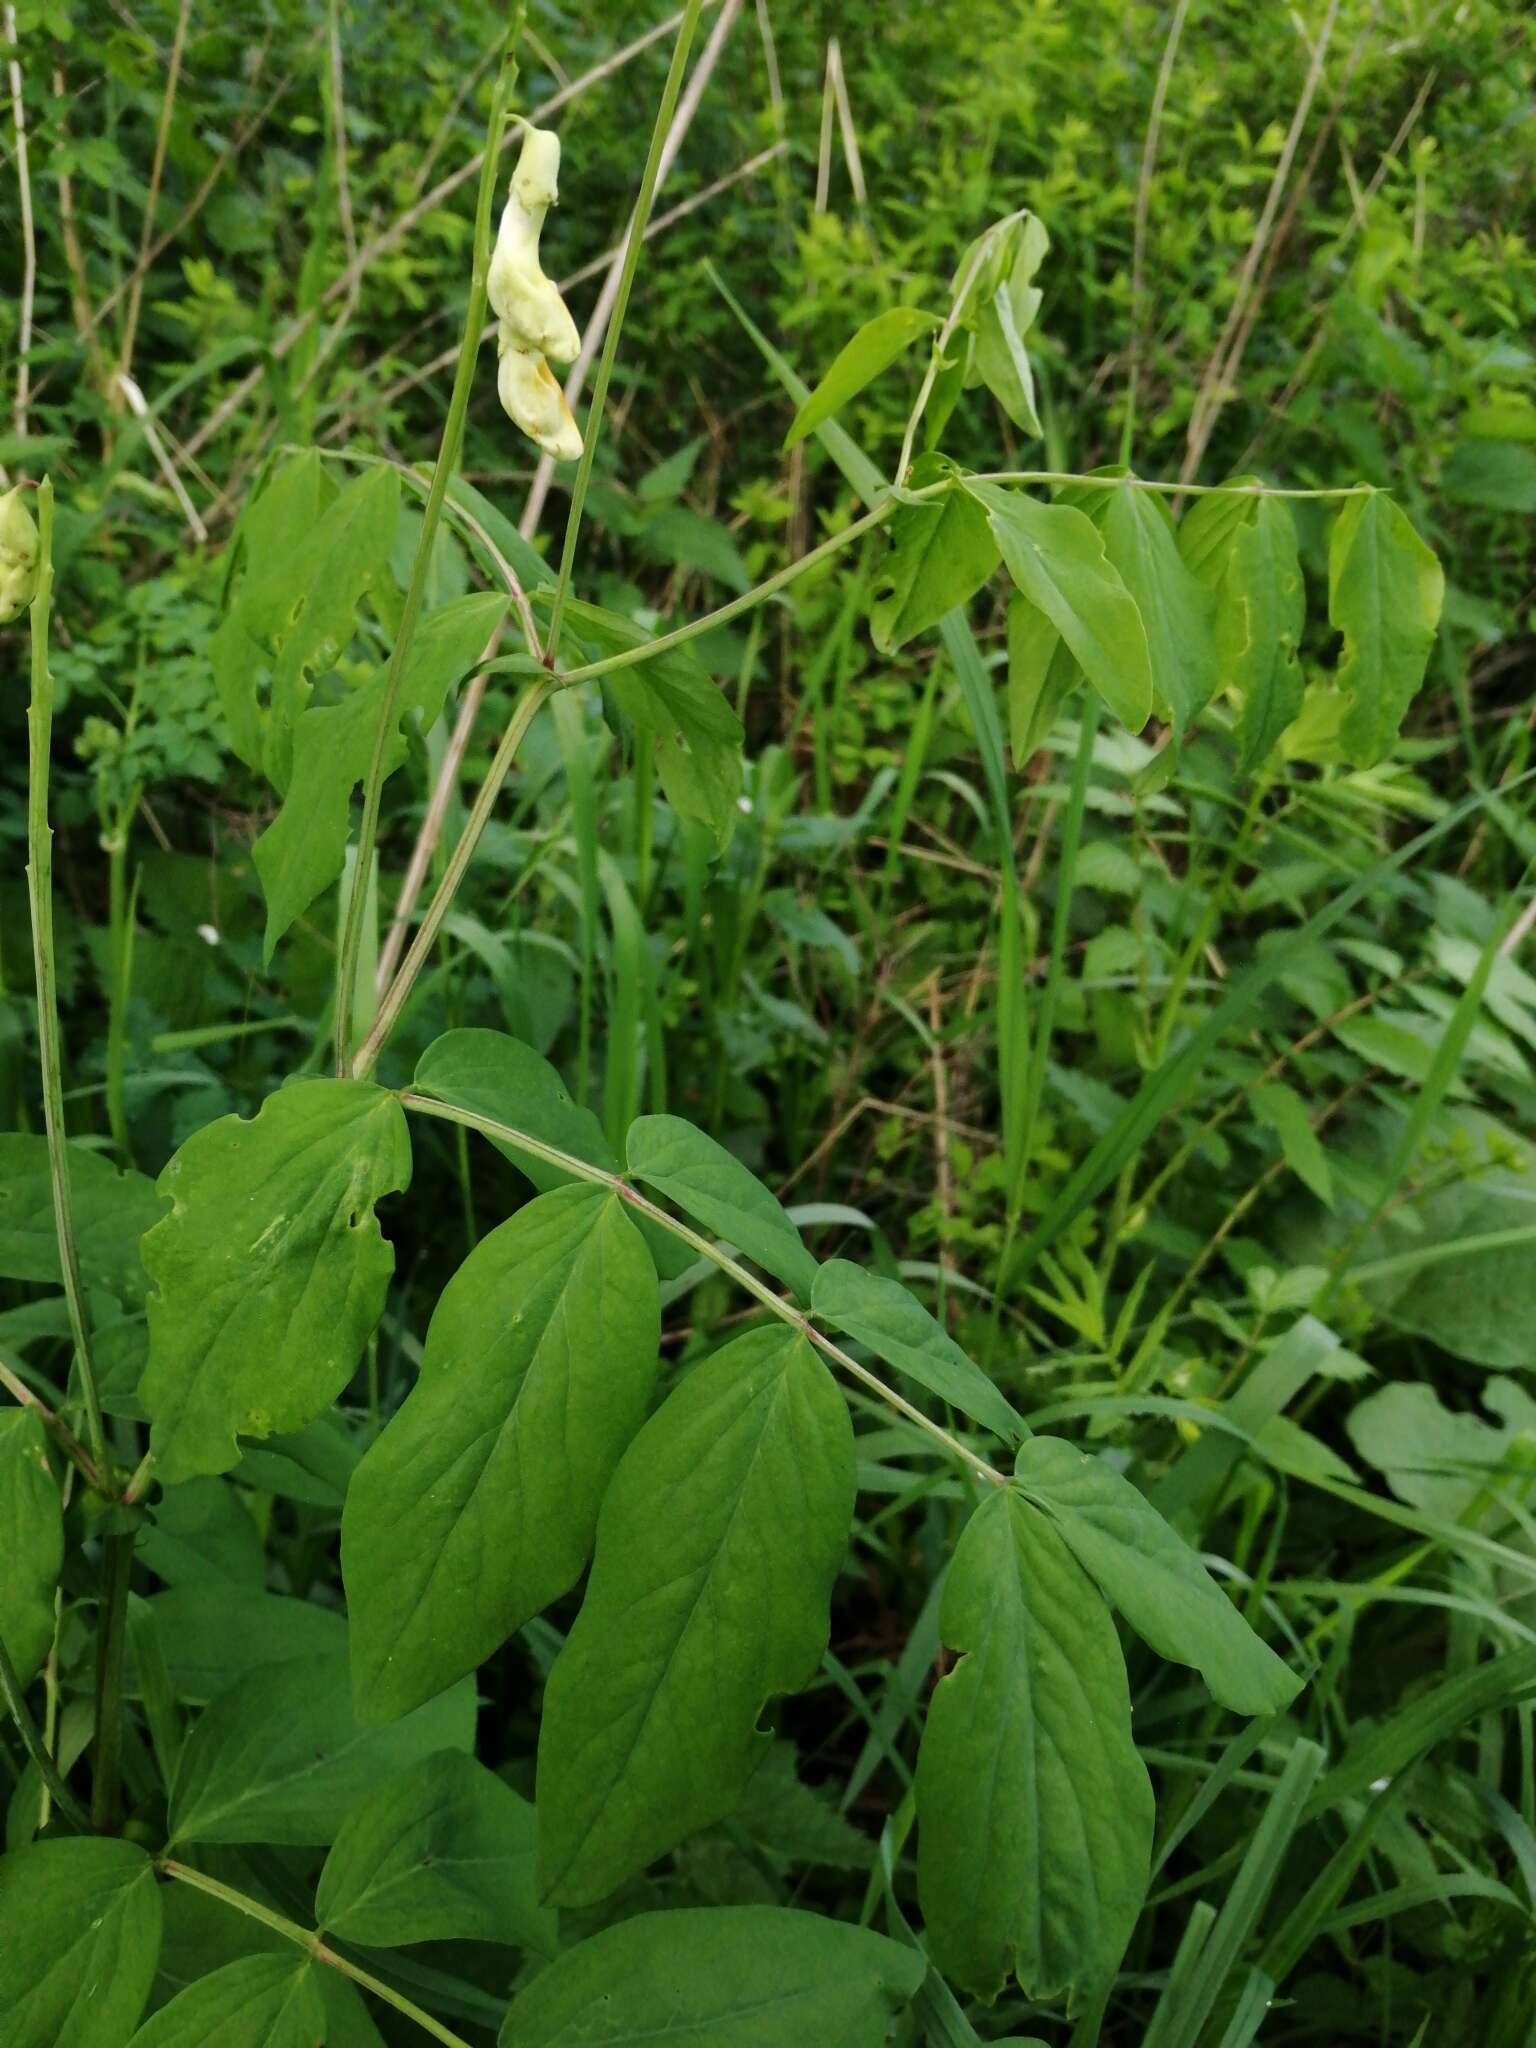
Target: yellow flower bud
(18, 555)
(531, 397)
(532, 314)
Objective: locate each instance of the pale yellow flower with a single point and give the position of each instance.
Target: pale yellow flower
(18, 555)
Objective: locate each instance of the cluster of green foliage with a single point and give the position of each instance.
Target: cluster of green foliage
(479, 1564)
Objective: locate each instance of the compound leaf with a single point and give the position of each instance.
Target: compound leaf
(720, 1977)
(475, 1508)
(1034, 1810)
(717, 1547)
(270, 1271)
(1151, 1574)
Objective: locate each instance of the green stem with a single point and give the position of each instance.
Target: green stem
(40, 898)
(394, 999)
(309, 1940)
(447, 456)
(36, 1748)
(580, 1169)
(121, 901)
(106, 1783)
(632, 247)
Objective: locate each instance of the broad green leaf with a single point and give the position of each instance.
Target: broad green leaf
(698, 736)
(721, 1977)
(717, 1547)
(896, 1327)
(258, 2002)
(1034, 1810)
(1151, 1574)
(270, 1271)
(212, 1633)
(1175, 609)
(712, 1186)
(302, 851)
(503, 1079)
(1384, 594)
(1207, 529)
(941, 553)
(475, 1508)
(202, 1533)
(1261, 611)
(110, 1212)
(874, 348)
(1442, 1460)
(31, 1541)
(1055, 554)
(309, 564)
(442, 1852)
(278, 1757)
(79, 1933)
(1285, 1113)
(202, 1935)
(1041, 672)
(1001, 307)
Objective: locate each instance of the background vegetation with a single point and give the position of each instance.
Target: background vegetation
(1296, 1292)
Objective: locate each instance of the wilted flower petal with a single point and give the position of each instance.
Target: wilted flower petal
(533, 399)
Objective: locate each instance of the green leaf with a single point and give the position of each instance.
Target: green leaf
(1282, 1110)
(1434, 1457)
(202, 1936)
(31, 1541)
(1176, 611)
(941, 553)
(270, 1271)
(302, 851)
(712, 1186)
(726, 1977)
(1384, 594)
(1035, 1813)
(110, 1211)
(307, 571)
(1207, 530)
(1262, 611)
(443, 1852)
(258, 2002)
(1152, 1575)
(874, 348)
(896, 1327)
(1001, 306)
(476, 1506)
(1055, 554)
(698, 736)
(79, 1933)
(503, 1079)
(1041, 672)
(213, 1633)
(717, 1547)
(279, 1758)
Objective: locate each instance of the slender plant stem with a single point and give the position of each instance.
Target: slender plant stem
(394, 998)
(580, 1169)
(36, 1748)
(979, 256)
(55, 1425)
(111, 1629)
(309, 1940)
(50, 1059)
(447, 456)
(632, 249)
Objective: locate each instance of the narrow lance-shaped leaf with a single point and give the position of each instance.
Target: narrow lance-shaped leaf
(896, 1327)
(475, 1507)
(31, 1541)
(270, 1271)
(711, 1185)
(1034, 1809)
(1385, 589)
(1153, 1577)
(1055, 554)
(716, 1550)
(878, 344)
(257, 2002)
(723, 1977)
(79, 1936)
(442, 1852)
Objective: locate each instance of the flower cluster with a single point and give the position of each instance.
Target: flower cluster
(18, 556)
(532, 321)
